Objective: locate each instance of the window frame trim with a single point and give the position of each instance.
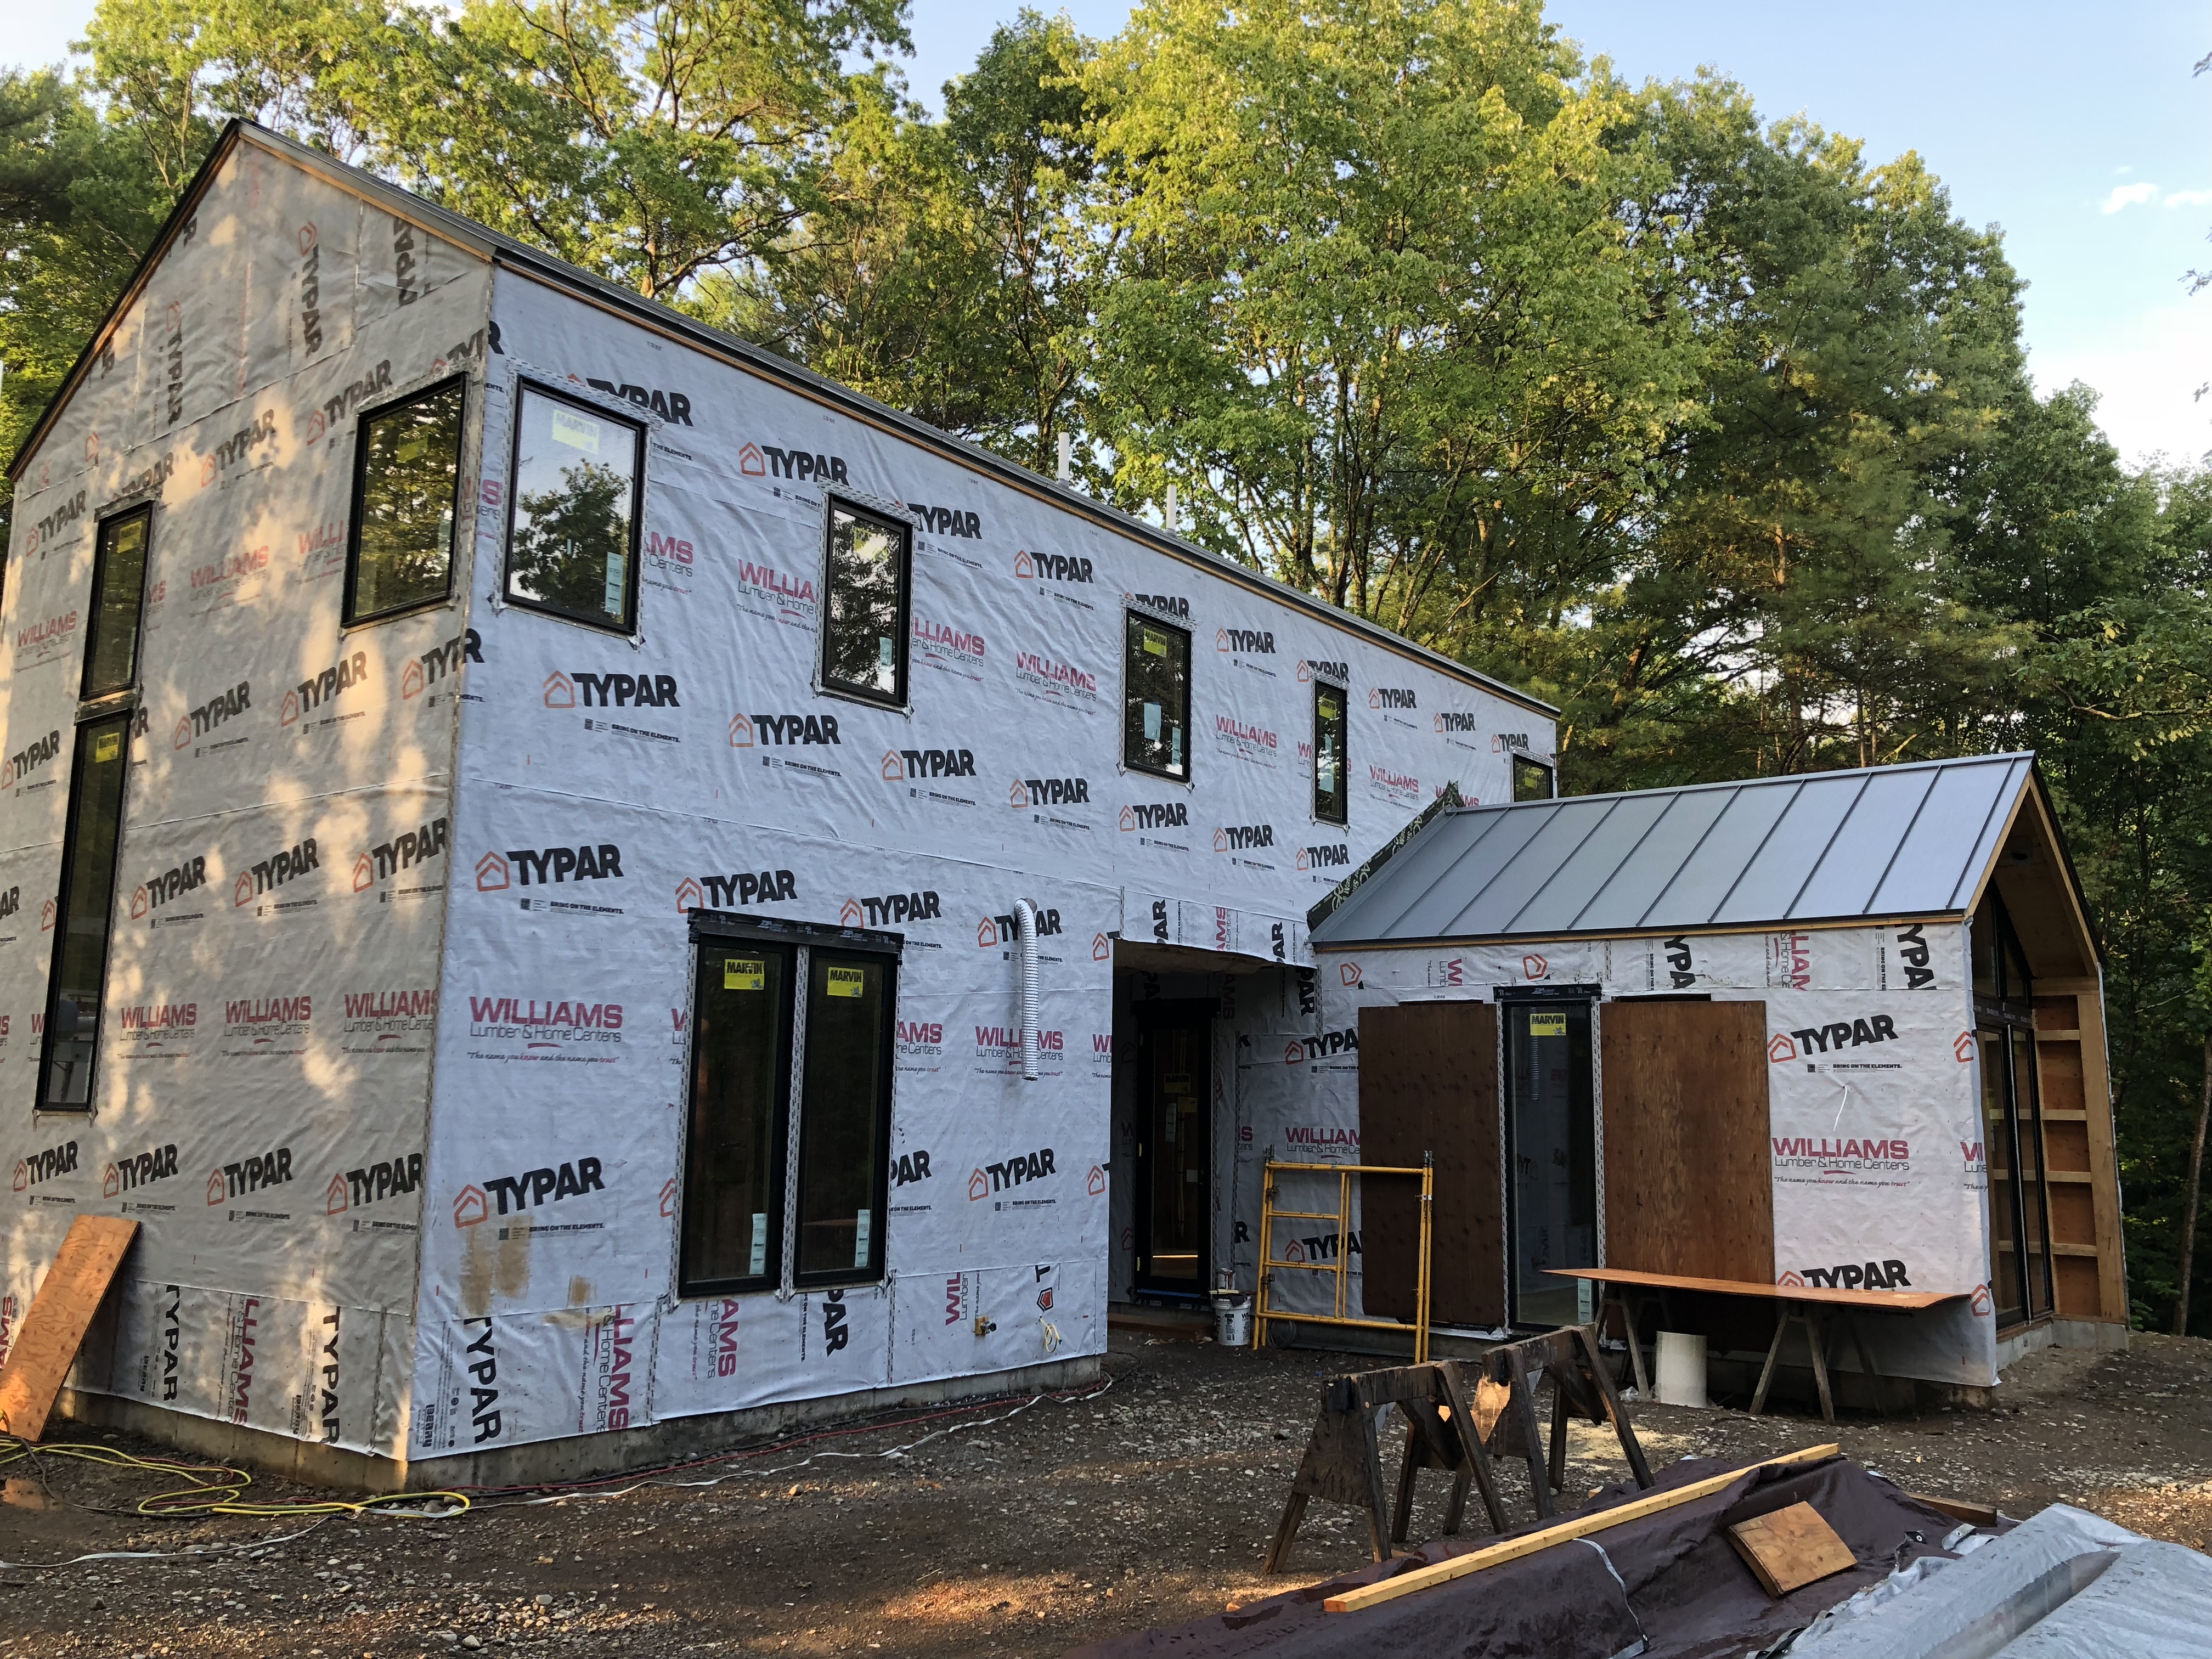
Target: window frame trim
(1146, 614)
(1344, 762)
(626, 627)
(105, 701)
(824, 685)
(879, 1243)
(348, 616)
(771, 1277)
(127, 715)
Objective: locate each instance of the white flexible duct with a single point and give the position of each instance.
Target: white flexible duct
(1025, 927)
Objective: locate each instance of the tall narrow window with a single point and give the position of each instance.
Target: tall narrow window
(406, 483)
(1532, 779)
(845, 1116)
(1332, 797)
(864, 624)
(740, 1089)
(573, 494)
(76, 985)
(1156, 698)
(765, 989)
(118, 586)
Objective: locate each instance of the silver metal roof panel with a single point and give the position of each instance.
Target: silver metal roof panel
(1607, 848)
(1894, 840)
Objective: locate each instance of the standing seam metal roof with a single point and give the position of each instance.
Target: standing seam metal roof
(1886, 841)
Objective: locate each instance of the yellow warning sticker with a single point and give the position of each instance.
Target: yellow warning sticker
(848, 982)
(740, 974)
(1547, 1025)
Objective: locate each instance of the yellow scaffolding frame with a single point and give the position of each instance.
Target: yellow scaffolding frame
(1340, 1266)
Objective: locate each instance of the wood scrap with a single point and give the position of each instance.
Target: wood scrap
(1790, 1548)
(60, 1315)
(1405, 1583)
(1979, 1515)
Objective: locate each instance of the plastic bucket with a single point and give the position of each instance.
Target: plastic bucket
(1233, 1318)
(1681, 1379)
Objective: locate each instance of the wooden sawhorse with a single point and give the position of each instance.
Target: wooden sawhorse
(1343, 1460)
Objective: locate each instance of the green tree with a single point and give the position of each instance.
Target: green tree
(947, 268)
(647, 143)
(1368, 302)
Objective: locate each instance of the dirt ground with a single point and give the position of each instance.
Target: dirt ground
(1148, 1503)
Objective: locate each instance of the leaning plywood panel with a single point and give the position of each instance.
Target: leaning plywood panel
(40, 1354)
(1688, 1174)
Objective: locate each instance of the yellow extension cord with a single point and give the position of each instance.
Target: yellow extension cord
(216, 1488)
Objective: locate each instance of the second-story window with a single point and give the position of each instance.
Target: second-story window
(119, 588)
(406, 481)
(1532, 780)
(1331, 791)
(1156, 698)
(573, 494)
(864, 625)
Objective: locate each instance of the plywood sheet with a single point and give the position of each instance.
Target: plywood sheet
(1689, 1184)
(1428, 1082)
(1790, 1548)
(68, 1297)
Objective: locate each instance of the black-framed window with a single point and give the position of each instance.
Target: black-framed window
(84, 918)
(1532, 780)
(778, 1005)
(1156, 697)
(867, 577)
(406, 503)
(1332, 797)
(740, 1091)
(845, 1119)
(574, 509)
(118, 593)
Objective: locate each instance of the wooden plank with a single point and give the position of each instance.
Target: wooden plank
(1689, 1171)
(1979, 1515)
(1428, 1083)
(1421, 1578)
(1790, 1548)
(1908, 1300)
(60, 1312)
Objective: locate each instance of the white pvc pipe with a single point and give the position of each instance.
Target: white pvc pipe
(1025, 927)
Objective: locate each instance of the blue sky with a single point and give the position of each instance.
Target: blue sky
(2077, 129)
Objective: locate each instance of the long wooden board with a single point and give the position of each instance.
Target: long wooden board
(1906, 1300)
(60, 1314)
(1583, 1526)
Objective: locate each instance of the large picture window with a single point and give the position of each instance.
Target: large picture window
(1156, 697)
(572, 507)
(772, 1198)
(77, 982)
(864, 629)
(119, 591)
(406, 485)
(1332, 790)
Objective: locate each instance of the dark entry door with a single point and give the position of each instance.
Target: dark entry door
(1174, 1151)
(1550, 1129)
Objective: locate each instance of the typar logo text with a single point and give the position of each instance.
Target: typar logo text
(527, 1191)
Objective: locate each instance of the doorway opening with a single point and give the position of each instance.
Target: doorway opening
(1173, 1153)
(1551, 1145)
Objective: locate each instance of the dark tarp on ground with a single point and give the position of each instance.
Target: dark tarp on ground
(1679, 1583)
